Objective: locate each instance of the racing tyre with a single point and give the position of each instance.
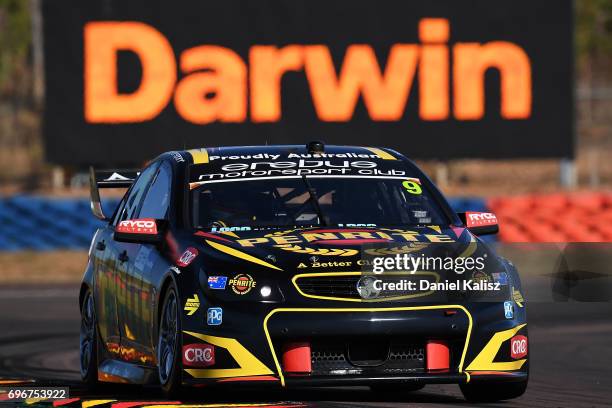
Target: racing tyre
(169, 344)
(88, 342)
(491, 392)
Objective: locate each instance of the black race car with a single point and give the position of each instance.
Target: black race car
(297, 265)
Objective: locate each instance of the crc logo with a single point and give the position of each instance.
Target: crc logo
(366, 287)
(188, 256)
(518, 347)
(143, 226)
(198, 355)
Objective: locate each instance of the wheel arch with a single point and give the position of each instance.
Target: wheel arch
(87, 283)
(166, 282)
(82, 291)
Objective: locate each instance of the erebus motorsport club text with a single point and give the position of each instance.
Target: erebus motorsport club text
(301, 167)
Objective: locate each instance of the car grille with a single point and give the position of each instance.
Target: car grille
(345, 286)
(366, 357)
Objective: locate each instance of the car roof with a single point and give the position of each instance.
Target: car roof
(384, 153)
(201, 157)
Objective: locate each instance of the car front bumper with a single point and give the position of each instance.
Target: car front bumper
(250, 343)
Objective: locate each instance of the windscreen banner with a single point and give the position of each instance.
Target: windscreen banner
(443, 79)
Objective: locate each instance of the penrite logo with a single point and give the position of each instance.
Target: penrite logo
(215, 84)
(242, 283)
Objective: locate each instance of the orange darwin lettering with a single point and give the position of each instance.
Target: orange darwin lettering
(471, 61)
(103, 102)
(384, 96)
(217, 94)
(433, 70)
(212, 83)
(268, 64)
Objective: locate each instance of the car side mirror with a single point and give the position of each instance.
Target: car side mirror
(480, 223)
(141, 231)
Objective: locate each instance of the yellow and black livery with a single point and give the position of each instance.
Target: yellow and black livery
(172, 297)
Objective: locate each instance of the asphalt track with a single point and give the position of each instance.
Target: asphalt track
(570, 347)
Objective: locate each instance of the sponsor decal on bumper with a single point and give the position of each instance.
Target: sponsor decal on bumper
(198, 355)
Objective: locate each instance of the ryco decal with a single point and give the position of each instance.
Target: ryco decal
(478, 219)
(141, 226)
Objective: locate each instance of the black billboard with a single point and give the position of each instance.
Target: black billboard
(127, 80)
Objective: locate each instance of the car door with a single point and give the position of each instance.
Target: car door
(149, 265)
(122, 255)
(105, 288)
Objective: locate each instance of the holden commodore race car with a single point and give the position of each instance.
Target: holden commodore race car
(292, 266)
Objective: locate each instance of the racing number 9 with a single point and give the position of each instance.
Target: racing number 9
(412, 187)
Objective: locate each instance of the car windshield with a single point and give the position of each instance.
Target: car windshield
(312, 200)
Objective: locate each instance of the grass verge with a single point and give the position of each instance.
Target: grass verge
(32, 267)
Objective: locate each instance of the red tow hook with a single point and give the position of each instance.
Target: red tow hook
(437, 355)
(296, 358)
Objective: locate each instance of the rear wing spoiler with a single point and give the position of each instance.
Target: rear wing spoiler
(107, 179)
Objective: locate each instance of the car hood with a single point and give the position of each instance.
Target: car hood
(293, 251)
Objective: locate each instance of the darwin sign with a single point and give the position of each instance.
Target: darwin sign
(442, 79)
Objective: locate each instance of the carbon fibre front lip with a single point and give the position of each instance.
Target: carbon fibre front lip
(417, 378)
(356, 380)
